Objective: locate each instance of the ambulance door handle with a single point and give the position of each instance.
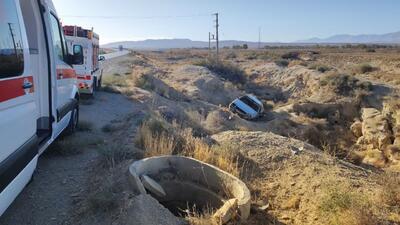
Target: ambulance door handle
(27, 85)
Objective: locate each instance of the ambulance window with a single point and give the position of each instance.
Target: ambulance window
(57, 39)
(11, 46)
(78, 50)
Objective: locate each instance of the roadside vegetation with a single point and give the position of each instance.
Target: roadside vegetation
(224, 69)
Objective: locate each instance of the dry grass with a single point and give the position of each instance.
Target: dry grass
(345, 84)
(341, 205)
(282, 62)
(390, 193)
(225, 70)
(157, 138)
(109, 128)
(113, 154)
(115, 80)
(363, 68)
(204, 218)
(85, 126)
(74, 144)
(320, 67)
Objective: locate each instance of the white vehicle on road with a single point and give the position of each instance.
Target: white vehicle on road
(89, 72)
(38, 93)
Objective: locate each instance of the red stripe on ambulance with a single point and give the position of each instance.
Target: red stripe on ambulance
(65, 74)
(13, 88)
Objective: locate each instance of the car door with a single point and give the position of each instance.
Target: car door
(18, 109)
(65, 74)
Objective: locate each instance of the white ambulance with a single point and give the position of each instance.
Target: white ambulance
(38, 92)
(89, 71)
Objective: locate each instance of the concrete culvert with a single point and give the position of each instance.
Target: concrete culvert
(190, 185)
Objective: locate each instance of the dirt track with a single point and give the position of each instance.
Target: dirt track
(60, 179)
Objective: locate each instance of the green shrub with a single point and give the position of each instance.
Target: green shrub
(319, 67)
(339, 206)
(282, 63)
(345, 84)
(363, 68)
(370, 50)
(231, 55)
(290, 55)
(225, 70)
(145, 82)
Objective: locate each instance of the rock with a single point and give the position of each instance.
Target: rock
(392, 153)
(145, 210)
(226, 212)
(356, 129)
(374, 157)
(152, 186)
(375, 129)
(291, 203)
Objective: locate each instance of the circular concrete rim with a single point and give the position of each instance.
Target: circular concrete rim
(149, 166)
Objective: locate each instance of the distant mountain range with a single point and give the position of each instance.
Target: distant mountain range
(389, 38)
(179, 43)
(154, 44)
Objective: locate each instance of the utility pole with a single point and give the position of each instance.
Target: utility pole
(259, 38)
(13, 38)
(209, 44)
(216, 32)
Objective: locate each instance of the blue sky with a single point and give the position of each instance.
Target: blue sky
(280, 20)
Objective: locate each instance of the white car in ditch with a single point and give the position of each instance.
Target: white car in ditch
(248, 107)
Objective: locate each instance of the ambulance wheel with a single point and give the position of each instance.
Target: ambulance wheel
(73, 122)
(94, 88)
(99, 84)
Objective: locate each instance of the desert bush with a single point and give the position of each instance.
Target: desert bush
(339, 206)
(225, 69)
(156, 138)
(112, 155)
(216, 121)
(319, 67)
(282, 63)
(204, 218)
(363, 68)
(115, 80)
(290, 55)
(144, 81)
(75, 144)
(104, 199)
(390, 192)
(370, 50)
(345, 84)
(252, 56)
(110, 127)
(231, 55)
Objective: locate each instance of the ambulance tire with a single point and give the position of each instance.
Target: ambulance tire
(74, 121)
(99, 84)
(94, 88)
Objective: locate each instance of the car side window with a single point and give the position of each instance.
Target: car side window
(58, 43)
(11, 44)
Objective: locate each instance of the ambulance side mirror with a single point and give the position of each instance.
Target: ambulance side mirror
(77, 57)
